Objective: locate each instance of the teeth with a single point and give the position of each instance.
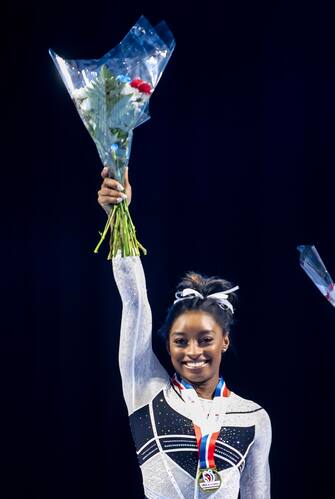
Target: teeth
(195, 364)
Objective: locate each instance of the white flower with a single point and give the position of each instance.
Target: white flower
(79, 93)
(86, 105)
(93, 124)
(137, 106)
(135, 99)
(89, 85)
(127, 90)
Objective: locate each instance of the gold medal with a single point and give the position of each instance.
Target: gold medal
(209, 479)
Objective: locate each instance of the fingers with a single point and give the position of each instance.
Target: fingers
(110, 193)
(110, 196)
(110, 183)
(104, 172)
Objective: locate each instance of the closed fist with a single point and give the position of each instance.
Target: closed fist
(112, 192)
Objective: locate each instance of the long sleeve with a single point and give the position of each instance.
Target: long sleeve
(255, 479)
(142, 374)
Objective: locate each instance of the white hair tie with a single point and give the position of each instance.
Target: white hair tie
(221, 297)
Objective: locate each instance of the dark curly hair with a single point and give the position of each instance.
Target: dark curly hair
(206, 286)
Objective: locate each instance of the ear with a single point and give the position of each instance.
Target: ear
(225, 343)
(168, 346)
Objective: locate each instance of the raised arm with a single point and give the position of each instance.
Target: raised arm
(255, 479)
(142, 374)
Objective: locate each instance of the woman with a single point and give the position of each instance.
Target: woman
(192, 435)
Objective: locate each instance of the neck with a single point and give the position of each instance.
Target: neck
(205, 390)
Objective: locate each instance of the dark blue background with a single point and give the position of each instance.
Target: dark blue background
(234, 170)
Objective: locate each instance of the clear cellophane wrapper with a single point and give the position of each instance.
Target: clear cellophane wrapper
(112, 96)
(314, 267)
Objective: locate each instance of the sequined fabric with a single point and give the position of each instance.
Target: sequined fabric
(161, 424)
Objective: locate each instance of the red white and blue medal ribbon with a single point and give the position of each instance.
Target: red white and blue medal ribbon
(206, 447)
(206, 429)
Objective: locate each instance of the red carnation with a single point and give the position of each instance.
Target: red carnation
(145, 88)
(136, 82)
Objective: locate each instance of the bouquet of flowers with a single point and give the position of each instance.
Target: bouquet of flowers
(314, 267)
(112, 96)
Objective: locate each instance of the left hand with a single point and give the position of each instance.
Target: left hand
(112, 192)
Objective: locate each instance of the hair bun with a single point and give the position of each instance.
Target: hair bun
(205, 285)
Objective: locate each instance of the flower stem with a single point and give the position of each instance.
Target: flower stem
(104, 232)
(122, 233)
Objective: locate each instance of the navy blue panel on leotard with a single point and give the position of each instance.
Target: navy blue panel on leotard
(177, 438)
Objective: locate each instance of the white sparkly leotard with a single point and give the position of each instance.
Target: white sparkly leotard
(162, 430)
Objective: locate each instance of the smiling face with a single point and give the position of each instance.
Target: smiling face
(195, 343)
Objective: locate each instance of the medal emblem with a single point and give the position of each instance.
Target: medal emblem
(209, 480)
